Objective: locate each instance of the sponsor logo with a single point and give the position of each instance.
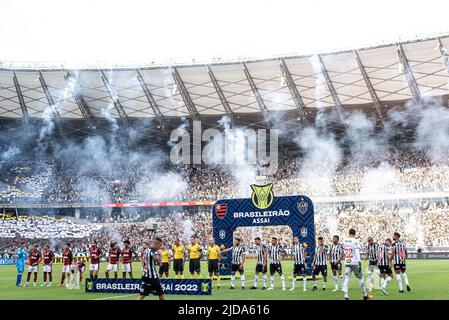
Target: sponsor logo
(221, 210)
(204, 286)
(262, 196)
(302, 206)
(6, 262)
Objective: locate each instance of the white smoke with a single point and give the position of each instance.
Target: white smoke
(186, 224)
(164, 186)
(321, 158)
(107, 113)
(48, 123)
(10, 153)
(319, 91)
(381, 180)
(432, 134)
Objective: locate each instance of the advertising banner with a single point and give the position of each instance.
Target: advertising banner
(170, 286)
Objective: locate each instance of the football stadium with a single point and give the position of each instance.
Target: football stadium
(321, 174)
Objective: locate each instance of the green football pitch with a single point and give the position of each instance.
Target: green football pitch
(429, 279)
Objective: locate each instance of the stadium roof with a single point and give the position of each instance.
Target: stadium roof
(370, 78)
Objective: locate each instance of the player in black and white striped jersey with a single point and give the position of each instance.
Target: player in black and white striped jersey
(150, 279)
(336, 254)
(398, 256)
(371, 255)
(383, 263)
(261, 265)
(319, 264)
(276, 252)
(238, 260)
(299, 254)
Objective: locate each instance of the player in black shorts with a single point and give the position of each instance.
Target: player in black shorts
(238, 259)
(261, 264)
(298, 251)
(383, 263)
(150, 282)
(164, 267)
(398, 256)
(276, 252)
(319, 264)
(213, 261)
(336, 255)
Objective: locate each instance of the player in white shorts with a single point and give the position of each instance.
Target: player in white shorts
(353, 263)
(95, 254)
(114, 256)
(94, 267)
(33, 269)
(46, 268)
(113, 267)
(127, 257)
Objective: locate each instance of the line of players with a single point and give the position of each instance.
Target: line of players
(70, 267)
(380, 257)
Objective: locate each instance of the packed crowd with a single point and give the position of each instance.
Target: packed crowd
(392, 172)
(421, 225)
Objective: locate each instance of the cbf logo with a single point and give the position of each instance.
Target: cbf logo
(302, 206)
(262, 196)
(222, 234)
(303, 232)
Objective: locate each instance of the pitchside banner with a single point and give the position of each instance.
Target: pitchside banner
(170, 286)
(6, 261)
(261, 210)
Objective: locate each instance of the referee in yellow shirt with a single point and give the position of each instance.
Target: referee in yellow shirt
(179, 254)
(164, 267)
(195, 253)
(213, 261)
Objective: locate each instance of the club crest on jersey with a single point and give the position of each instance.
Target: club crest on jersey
(221, 210)
(204, 286)
(262, 196)
(302, 206)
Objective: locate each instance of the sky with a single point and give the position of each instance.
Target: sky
(111, 32)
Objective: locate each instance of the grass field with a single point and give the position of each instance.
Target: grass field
(429, 279)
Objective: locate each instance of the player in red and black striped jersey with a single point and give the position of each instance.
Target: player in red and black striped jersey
(114, 256)
(34, 259)
(127, 258)
(48, 266)
(399, 256)
(67, 261)
(95, 255)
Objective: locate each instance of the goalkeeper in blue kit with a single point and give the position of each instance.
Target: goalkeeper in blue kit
(21, 256)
